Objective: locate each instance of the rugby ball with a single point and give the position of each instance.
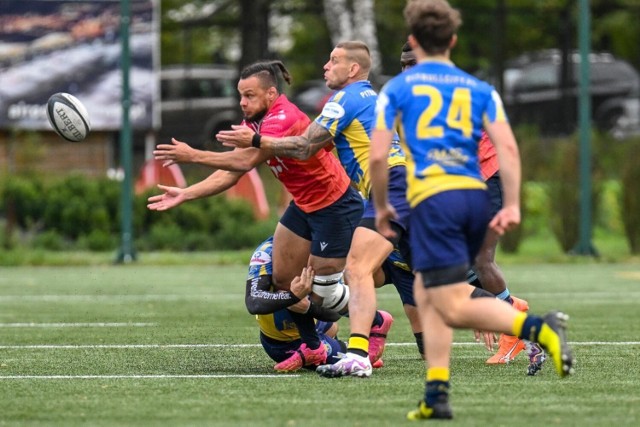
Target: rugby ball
(68, 117)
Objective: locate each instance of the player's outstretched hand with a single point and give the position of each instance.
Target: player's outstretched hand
(506, 219)
(176, 152)
(239, 136)
(172, 197)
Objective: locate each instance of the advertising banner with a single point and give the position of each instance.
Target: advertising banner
(73, 46)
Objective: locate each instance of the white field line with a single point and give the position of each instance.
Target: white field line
(76, 325)
(240, 297)
(135, 377)
(188, 346)
(116, 297)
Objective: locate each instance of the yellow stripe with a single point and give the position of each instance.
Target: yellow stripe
(420, 189)
(517, 324)
(438, 374)
(359, 343)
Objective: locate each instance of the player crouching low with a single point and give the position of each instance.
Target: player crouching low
(279, 336)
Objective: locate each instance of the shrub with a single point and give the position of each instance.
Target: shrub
(50, 240)
(564, 193)
(630, 195)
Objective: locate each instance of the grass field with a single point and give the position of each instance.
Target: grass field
(149, 345)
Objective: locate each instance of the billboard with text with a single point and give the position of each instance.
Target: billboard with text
(74, 46)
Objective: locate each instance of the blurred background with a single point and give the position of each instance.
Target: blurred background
(184, 60)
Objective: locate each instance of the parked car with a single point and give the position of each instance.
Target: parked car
(532, 93)
(197, 102)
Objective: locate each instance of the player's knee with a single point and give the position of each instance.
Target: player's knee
(332, 290)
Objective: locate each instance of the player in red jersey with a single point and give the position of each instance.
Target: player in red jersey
(316, 228)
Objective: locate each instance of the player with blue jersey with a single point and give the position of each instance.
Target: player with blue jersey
(279, 334)
(442, 111)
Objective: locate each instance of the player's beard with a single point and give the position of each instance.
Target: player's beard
(256, 117)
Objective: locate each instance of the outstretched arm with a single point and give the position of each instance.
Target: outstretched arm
(240, 160)
(215, 183)
(298, 147)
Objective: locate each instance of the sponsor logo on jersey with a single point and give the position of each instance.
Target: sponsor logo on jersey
(333, 110)
(260, 258)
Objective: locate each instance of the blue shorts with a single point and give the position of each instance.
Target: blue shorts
(329, 229)
(494, 188)
(397, 198)
(282, 350)
(447, 231)
(398, 273)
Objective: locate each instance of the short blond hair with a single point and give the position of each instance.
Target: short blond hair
(357, 52)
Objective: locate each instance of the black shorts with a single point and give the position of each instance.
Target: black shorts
(329, 229)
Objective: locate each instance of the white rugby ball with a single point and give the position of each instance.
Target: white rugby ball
(68, 117)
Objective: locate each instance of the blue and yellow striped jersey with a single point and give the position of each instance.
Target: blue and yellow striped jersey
(349, 116)
(441, 111)
(279, 325)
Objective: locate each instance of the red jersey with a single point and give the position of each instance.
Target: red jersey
(314, 183)
(488, 157)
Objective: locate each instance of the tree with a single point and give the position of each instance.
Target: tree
(355, 23)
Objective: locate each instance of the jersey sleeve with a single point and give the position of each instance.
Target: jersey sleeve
(494, 111)
(260, 299)
(336, 115)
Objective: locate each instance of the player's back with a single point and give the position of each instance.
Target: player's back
(442, 111)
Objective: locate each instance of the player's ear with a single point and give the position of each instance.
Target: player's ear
(412, 42)
(272, 93)
(354, 69)
(454, 40)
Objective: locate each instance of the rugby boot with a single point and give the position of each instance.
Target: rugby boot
(304, 356)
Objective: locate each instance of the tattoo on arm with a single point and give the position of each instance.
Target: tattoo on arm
(303, 146)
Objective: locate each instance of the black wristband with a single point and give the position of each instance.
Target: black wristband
(255, 141)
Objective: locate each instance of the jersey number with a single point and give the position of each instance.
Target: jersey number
(458, 115)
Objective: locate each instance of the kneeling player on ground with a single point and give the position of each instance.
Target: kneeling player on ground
(279, 335)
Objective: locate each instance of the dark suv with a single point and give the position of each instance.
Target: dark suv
(197, 102)
(532, 93)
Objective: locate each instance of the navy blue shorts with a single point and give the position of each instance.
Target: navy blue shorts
(282, 350)
(397, 198)
(447, 230)
(494, 188)
(398, 273)
(329, 229)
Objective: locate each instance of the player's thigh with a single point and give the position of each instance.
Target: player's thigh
(368, 251)
(332, 230)
(332, 227)
(290, 255)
